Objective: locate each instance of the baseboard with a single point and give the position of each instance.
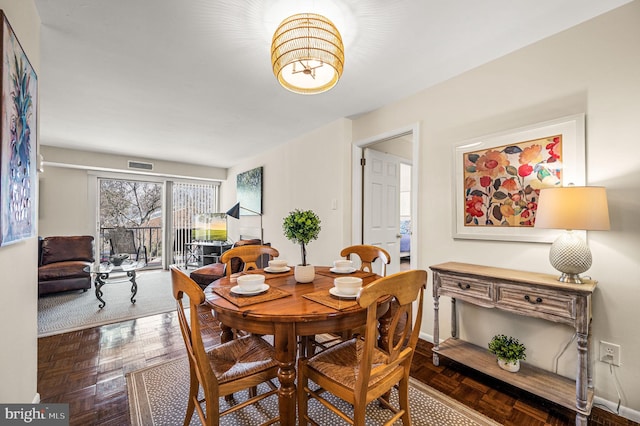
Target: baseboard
(625, 412)
(36, 399)
(427, 337)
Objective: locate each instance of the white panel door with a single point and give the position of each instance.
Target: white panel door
(381, 212)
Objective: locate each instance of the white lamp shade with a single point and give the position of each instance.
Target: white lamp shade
(573, 207)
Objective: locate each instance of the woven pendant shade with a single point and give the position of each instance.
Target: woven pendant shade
(307, 54)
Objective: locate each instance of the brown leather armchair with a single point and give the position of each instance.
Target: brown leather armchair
(61, 263)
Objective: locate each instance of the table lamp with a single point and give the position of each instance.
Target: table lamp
(572, 208)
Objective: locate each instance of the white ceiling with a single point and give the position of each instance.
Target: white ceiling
(191, 80)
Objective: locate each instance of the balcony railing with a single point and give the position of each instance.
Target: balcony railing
(149, 237)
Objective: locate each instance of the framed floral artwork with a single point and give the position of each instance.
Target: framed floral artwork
(498, 178)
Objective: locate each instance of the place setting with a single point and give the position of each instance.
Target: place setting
(277, 266)
(249, 289)
(341, 296)
(342, 266)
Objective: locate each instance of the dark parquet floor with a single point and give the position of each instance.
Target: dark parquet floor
(87, 369)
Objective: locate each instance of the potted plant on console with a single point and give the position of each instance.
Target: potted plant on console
(509, 352)
(302, 227)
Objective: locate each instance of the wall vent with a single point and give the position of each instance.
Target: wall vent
(140, 165)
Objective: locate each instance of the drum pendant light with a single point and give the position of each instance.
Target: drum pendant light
(307, 54)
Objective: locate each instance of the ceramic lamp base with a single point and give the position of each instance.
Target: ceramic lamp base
(570, 255)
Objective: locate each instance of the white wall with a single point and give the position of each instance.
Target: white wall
(308, 174)
(593, 68)
(18, 262)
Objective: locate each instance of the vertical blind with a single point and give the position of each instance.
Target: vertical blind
(189, 200)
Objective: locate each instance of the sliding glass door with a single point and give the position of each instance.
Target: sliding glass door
(130, 207)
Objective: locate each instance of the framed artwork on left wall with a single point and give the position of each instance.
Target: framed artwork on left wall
(18, 144)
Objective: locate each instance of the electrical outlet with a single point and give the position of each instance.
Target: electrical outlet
(609, 353)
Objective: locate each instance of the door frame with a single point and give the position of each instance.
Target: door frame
(357, 183)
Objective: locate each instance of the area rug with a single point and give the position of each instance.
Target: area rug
(77, 310)
(158, 396)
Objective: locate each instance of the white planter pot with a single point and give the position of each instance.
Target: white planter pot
(304, 274)
(512, 366)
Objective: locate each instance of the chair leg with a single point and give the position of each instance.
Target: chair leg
(403, 400)
(359, 414)
(194, 386)
(302, 395)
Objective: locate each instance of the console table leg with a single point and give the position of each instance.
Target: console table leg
(581, 419)
(581, 379)
(454, 319)
(436, 330)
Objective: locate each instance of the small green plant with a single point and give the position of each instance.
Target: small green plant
(301, 227)
(507, 348)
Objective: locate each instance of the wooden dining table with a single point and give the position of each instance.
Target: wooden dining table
(288, 310)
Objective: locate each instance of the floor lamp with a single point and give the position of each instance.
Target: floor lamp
(234, 212)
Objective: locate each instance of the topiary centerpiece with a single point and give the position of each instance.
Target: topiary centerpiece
(509, 352)
(302, 227)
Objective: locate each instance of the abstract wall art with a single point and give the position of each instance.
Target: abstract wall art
(18, 132)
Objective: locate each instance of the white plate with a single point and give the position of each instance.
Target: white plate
(276, 270)
(336, 293)
(343, 271)
(238, 290)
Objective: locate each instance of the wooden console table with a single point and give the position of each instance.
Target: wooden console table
(523, 293)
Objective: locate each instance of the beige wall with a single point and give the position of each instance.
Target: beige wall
(65, 182)
(309, 173)
(593, 68)
(18, 262)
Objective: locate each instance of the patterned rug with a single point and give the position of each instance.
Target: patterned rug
(158, 396)
(77, 310)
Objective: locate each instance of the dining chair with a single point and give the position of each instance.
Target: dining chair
(359, 371)
(249, 255)
(240, 364)
(368, 254)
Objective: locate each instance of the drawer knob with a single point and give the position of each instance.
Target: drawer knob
(465, 287)
(533, 302)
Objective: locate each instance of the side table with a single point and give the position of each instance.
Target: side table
(102, 273)
(523, 293)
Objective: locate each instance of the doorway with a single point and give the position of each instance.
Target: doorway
(398, 148)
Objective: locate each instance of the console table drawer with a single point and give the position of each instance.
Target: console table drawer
(466, 288)
(528, 300)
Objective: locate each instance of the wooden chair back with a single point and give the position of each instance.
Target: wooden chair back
(359, 371)
(249, 255)
(199, 366)
(368, 254)
(405, 288)
(249, 370)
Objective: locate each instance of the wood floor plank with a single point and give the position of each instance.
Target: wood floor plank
(87, 369)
